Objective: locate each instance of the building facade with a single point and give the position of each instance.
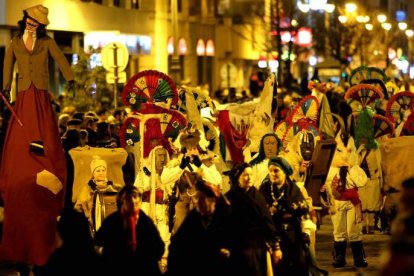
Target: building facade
(202, 37)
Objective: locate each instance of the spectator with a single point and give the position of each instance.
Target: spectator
(105, 140)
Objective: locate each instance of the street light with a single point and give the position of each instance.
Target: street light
(357, 23)
(382, 18)
(402, 25)
(322, 6)
(350, 7)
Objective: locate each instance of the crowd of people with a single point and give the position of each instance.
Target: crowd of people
(186, 213)
(232, 195)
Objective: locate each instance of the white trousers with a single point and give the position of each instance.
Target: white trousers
(344, 224)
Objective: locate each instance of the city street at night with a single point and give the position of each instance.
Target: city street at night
(206, 137)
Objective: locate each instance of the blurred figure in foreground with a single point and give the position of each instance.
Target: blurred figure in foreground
(131, 243)
(401, 255)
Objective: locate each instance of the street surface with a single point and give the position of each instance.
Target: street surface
(375, 246)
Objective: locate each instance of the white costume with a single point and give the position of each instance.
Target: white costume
(155, 197)
(370, 194)
(346, 223)
(172, 174)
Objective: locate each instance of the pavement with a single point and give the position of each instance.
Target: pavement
(375, 246)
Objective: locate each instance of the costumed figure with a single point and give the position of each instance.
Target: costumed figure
(325, 120)
(288, 207)
(368, 127)
(399, 111)
(32, 144)
(255, 244)
(130, 242)
(270, 146)
(299, 134)
(344, 180)
(155, 195)
(243, 125)
(98, 183)
(299, 154)
(150, 94)
(178, 174)
(370, 161)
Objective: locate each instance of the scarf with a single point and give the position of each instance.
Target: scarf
(130, 223)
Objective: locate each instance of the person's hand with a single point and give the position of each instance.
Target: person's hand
(6, 94)
(224, 253)
(184, 162)
(304, 166)
(323, 188)
(277, 255)
(197, 161)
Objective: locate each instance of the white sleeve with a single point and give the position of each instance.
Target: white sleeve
(170, 175)
(211, 175)
(143, 185)
(358, 176)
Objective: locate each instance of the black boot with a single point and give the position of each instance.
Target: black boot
(339, 253)
(359, 254)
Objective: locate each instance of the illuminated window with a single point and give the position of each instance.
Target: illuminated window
(201, 47)
(182, 46)
(135, 4)
(170, 45)
(210, 48)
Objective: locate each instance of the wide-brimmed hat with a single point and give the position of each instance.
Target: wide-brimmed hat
(38, 13)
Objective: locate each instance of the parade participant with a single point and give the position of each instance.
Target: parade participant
(299, 154)
(98, 182)
(200, 246)
(29, 229)
(344, 179)
(179, 171)
(287, 207)
(131, 243)
(270, 146)
(253, 230)
(155, 195)
(370, 161)
(325, 120)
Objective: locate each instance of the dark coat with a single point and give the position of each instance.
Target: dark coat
(77, 255)
(288, 224)
(251, 227)
(195, 248)
(117, 256)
